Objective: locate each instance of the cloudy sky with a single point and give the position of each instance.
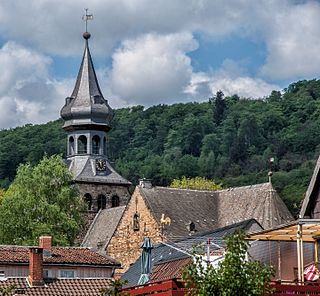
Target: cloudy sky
(152, 51)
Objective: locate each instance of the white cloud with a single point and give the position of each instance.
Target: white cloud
(153, 68)
(27, 93)
(231, 79)
(293, 43)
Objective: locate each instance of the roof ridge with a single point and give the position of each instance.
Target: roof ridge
(221, 190)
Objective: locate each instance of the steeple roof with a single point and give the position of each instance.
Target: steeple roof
(86, 106)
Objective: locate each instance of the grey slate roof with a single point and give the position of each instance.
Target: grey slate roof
(102, 228)
(84, 170)
(312, 192)
(86, 105)
(172, 251)
(213, 209)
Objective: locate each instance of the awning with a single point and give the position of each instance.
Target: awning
(300, 231)
(310, 232)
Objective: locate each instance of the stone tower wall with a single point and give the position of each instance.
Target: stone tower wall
(95, 189)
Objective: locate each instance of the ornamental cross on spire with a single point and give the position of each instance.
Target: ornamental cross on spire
(87, 17)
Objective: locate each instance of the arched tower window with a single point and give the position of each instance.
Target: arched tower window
(104, 146)
(95, 144)
(115, 202)
(102, 202)
(82, 144)
(88, 200)
(71, 145)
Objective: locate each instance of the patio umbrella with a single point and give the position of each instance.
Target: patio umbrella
(145, 261)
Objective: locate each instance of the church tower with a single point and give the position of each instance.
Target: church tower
(87, 120)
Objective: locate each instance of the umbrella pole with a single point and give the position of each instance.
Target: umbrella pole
(316, 253)
(298, 254)
(279, 260)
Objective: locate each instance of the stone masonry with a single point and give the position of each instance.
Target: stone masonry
(125, 245)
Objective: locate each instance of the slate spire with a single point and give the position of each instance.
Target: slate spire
(86, 106)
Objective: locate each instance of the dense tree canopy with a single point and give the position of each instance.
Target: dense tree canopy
(193, 139)
(198, 183)
(40, 201)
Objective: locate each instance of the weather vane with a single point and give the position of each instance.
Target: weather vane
(87, 17)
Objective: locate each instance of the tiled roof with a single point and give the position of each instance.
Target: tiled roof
(102, 228)
(58, 287)
(213, 209)
(169, 270)
(60, 255)
(180, 250)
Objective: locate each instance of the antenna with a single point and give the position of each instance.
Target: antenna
(87, 17)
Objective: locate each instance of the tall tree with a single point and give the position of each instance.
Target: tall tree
(219, 107)
(235, 276)
(41, 201)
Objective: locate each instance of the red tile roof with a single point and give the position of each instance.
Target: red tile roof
(60, 255)
(169, 270)
(58, 287)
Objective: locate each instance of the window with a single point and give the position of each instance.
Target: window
(88, 200)
(96, 144)
(136, 224)
(102, 202)
(104, 146)
(71, 146)
(82, 144)
(67, 273)
(192, 227)
(115, 202)
(47, 273)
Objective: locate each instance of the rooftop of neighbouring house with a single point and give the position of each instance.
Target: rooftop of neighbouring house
(57, 287)
(59, 255)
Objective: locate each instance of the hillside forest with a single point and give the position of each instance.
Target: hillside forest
(226, 139)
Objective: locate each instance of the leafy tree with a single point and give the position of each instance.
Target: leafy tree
(41, 201)
(6, 291)
(235, 276)
(199, 183)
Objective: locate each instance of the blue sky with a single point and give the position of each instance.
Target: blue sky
(152, 51)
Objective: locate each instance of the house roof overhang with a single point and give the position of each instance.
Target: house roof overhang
(308, 230)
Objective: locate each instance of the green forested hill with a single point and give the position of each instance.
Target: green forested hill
(228, 139)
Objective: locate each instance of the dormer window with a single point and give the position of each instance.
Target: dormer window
(192, 227)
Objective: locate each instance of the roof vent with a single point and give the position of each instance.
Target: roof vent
(192, 227)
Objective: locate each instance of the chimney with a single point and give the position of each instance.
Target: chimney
(145, 183)
(45, 242)
(35, 267)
